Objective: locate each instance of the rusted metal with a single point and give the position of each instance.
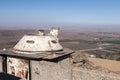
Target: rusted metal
(18, 67)
(44, 55)
(20, 64)
(29, 64)
(4, 64)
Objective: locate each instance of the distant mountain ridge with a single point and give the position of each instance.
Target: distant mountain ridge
(109, 28)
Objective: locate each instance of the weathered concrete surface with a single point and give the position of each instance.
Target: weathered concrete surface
(82, 74)
(38, 43)
(0, 63)
(18, 67)
(65, 69)
(44, 70)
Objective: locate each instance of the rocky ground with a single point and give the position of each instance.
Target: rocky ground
(78, 59)
(84, 64)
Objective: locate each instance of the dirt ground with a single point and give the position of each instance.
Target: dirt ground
(109, 64)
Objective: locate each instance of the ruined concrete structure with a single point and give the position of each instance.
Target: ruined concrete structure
(41, 57)
(37, 57)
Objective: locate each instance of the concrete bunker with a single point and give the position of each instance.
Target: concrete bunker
(38, 57)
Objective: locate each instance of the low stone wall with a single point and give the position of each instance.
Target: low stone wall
(81, 74)
(46, 70)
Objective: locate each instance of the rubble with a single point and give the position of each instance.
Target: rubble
(80, 60)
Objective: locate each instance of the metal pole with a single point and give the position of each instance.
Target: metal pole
(29, 63)
(4, 64)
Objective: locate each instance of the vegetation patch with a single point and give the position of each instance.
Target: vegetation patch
(104, 55)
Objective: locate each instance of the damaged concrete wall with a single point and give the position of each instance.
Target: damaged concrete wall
(18, 67)
(44, 70)
(0, 63)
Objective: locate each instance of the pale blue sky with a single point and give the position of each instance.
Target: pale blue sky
(37, 13)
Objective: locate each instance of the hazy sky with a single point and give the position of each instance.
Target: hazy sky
(33, 13)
